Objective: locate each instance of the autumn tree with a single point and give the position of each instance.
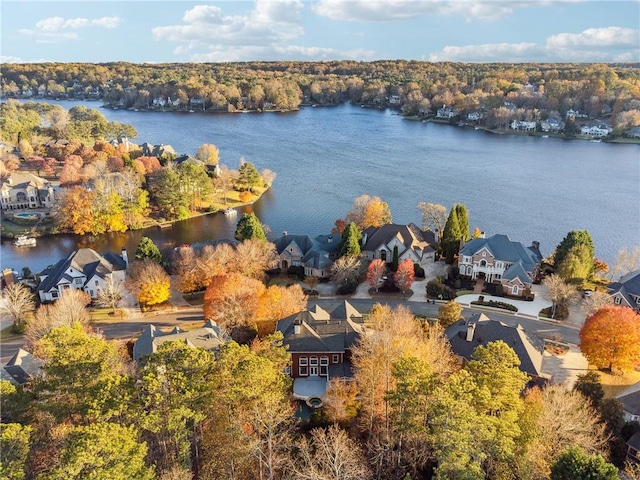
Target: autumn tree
(573, 258)
(627, 260)
(110, 295)
(345, 270)
(375, 271)
(434, 217)
(404, 275)
(74, 211)
(595, 301)
(253, 257)
(14, 444)
(208, 153)
(610, 338)
(149, 283)
(330, 455)
(560, 293)
(147, 249)
(68, 310)
(276, 303)
(449, 313)
(18, 304)
(368, 211)
(249, 227)
(232, 300)
(268, 176)
(350, 242)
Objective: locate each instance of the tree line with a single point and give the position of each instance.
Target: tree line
(533, 91)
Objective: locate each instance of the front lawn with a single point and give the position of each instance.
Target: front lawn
(614, 384)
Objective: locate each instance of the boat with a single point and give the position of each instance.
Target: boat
(545, 136)
(229, 211)
(596, 140)
(24, 241)
(192, 111)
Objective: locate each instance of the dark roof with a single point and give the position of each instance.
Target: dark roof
(630, 399)
(634, 441)
(320, 331)
(529, 348)
(504, 249)
(23, 365)
(85, 260)
(316, 252)
(410, 236)
(209, 337)
(516, 270)
(627, 286)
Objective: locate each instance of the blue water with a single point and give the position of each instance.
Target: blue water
(530, 188)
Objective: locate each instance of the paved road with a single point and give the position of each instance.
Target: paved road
(130, 328)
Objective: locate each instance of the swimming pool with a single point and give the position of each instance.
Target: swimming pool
(30, 216)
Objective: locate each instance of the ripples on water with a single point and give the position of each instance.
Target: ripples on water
(529, 188)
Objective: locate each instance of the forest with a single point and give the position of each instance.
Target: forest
(527, 91)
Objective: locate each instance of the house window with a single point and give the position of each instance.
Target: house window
(336, 358)
(514, 290)
(96, 283)
(323, 371)
(484, 254)
(304, 371)
(78, 281)
(617, 300)
(324, 360)
(54, 294)
(313, 361)
(497, 276)
(383, 255)
(483, 263)
(313, 371)
(303, 361)
(498, 264)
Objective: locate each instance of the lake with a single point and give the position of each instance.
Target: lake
(529, 188)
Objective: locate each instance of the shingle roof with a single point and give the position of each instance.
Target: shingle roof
(503, 249)
(23, 365)
(517, 271)
(410, 236)
(23, 180)
(630, 399)
(208, 337)
(316, 252)
(529, 348)
(321, 331)
(627, 286)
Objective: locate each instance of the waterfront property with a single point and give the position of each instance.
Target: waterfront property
(412, 243)
(25, 191)
(499, 260)
(85, 270)
(316, 255)
(320, 345)
(626, 291)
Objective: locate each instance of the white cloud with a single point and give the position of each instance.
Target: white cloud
(386, 10)
(9, 59)
(53, 24)
(275, 53)
(609, 44)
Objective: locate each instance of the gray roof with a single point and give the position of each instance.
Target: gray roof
(634, 441)
(209, 337)
(22, 366)
(529, 348)
(85, 260)
(321, 331)
(410, 236)
(317, 253)
(504, 249)
(627, 286)
(630, 399)
(517, 271)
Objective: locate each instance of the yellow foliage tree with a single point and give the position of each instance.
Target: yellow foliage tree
(149, 283)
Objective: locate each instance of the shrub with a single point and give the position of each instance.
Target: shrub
(296, 272)
(347, 288)
(418, 271)
(495, 304)
(435, 288)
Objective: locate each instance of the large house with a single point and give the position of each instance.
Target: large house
(630, 399)
(209, 337)
(412, 243)
(85, 270)
(25, 190)
(499, 260)
(626, 291)
(465, 336)
(320, 346)
(316, 255)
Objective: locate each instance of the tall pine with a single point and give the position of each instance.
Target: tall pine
(574, 256)
(451, 236)
(249, 227)
(463, 221)
(350, 243)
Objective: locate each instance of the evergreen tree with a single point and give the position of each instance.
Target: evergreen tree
(350, 243)
(463, 221)
(395, 261)
(575, 463)
(249, 227)
(574, 256)
(451, 236)
(249, 176)
(148, 249)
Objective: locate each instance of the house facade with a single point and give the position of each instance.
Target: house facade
(26, 191)
(412, 243)
(630, 399)
(499, 260)
(85, 270)
(626, 291)
(316, 255)
(320, 346)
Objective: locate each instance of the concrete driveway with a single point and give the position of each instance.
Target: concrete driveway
(525, 309)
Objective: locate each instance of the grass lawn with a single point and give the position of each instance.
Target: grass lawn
(104, 315)
(614, 384)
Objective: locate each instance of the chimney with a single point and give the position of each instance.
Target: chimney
(296, 326)
(284, 233)
(330, 239)
(535, 244)
(470, 330)
(364, 239)
(125, 257)
(482, 235)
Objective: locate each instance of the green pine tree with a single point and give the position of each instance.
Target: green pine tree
(148, 249)
(350, 243)
(463, 221)
(451, 236)
(395, 261)
(574, 256)
(249, 227)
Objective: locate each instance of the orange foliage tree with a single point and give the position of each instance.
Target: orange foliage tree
(74, 210)
(276, 303)
(232, 300)
(368, 211)
(404, 276)
(610, 338)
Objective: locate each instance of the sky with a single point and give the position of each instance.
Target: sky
(319, 30)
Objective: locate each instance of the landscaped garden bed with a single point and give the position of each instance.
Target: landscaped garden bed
(496, 304)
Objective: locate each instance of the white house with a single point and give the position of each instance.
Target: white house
(474, 116)
(412, 243)
(522, 125)
(626, 291)
(595, 130)
(630, 399)
(25, 190)
(85, 270)
(499, 260)
(446, 112)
